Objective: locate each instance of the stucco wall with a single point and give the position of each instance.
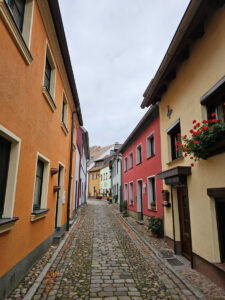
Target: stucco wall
(196, 76)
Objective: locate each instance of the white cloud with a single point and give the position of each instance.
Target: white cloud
(116, 47)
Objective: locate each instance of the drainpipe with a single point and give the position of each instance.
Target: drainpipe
(121, 187)
(70, 171)
(174, 241)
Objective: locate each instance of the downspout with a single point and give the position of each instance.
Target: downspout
(70, 171)
(174, 241)
(121, 187)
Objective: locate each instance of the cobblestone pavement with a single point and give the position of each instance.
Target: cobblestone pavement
(103, 258)
(196, 279)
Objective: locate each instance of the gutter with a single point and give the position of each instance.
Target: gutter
(70, 171)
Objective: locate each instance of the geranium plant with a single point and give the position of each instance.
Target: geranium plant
(203, 136)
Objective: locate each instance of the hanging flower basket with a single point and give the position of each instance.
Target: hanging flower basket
(207, 139)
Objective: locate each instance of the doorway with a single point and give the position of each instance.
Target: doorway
(185, 226)
(220, 214)
(139, 200)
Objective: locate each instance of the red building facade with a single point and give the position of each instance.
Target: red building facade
(141, 161)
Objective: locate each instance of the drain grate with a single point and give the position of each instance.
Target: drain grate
(174, 262)
(166, 253)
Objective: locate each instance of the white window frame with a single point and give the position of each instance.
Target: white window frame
(131, 162)
(12, 172)
(137, 149)
(131, 201)
(50, 95)
(149, 187)
(125, 164)
(148, 145)
(125, 192)
(21, 39)
(64, 122)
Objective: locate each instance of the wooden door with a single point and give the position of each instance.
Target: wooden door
(220, 212)
(185, 228)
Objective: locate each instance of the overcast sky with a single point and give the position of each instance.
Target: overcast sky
(116, 47)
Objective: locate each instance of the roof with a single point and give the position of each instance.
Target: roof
(97, 153)
(57, 20)
(95, 169)
(189, 30)
(148, 118)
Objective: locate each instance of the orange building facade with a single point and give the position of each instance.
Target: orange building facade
(39, 115)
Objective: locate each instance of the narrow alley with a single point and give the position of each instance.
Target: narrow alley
(102, 257)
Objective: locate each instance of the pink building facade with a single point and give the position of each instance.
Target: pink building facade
(141, 161)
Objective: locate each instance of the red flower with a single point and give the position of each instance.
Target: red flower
(186, 149)
(185, 154)
(191, 157)
(184, 137)
(198, 132)
(214, 120)
(177, 143)
(196, 142)
(195, 127)
(213, 114)
(178, 134)
(192, 165)
(198, 124)
(204, 122)
(191, 131)
(194, 121)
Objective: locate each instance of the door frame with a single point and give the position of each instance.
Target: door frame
(180, 221)
(140, 213)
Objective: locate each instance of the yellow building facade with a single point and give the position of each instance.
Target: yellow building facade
(94, 182)
(189, 85)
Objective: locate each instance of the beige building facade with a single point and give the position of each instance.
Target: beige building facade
(189, 86)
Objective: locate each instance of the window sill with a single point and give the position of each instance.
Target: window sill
(15, 33)
(138, 163)
(175, 160)
(7, 224)
(38, 214)
(129, 169)
(151, 209)
(64, 128)
(48, 98)
(149, 157)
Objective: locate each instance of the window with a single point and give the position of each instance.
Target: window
(125, 164)
(96, 175)
(17, 8)
(49, 79)
(9, 161)
(151, 193)
(138, 155)
(117, 168)
(41, 184)
(92, 176)
(38, 185)
(125, 192)
(213, 101)
(64, 115)
(150, 146)
(131, 193)
(130, 160)
(101, 177)
(175, 136)
(5, 147)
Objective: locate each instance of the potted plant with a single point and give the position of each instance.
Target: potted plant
(156, 226)
(115, 198)
(153, 206)
(125, 214)
(207, 139)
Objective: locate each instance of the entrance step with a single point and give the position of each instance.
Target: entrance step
(57, 237)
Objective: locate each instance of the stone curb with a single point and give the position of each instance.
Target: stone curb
(195, 291)
(31, 292)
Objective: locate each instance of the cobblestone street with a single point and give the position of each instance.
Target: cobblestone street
(103, 258)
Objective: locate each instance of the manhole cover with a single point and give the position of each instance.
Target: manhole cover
(174, 262)
(166, 253)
